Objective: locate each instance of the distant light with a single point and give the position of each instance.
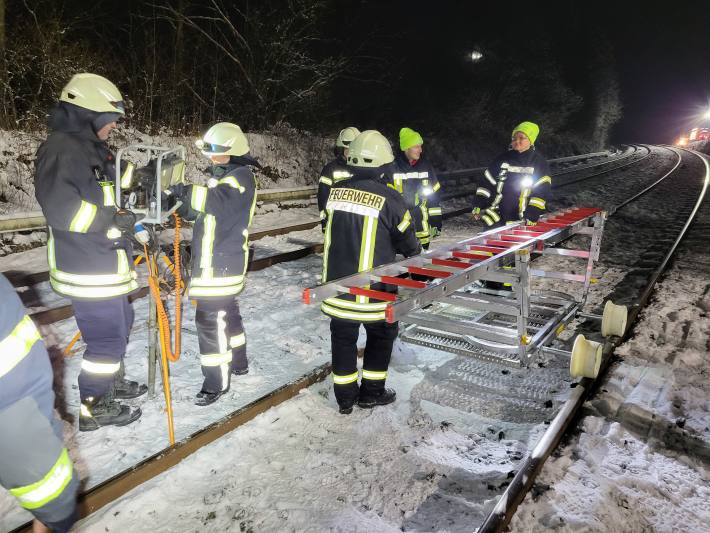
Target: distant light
(475, 56)
(707, 114)
(682, 141)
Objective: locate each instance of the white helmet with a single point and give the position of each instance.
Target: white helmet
(93, 92)
(224, 138)
(346, 136)
(370, 149)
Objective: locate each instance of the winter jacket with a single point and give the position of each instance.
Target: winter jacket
(515, 187)
(333, 172)
(419, 187)
(223, 211)
(88, 257)
(24, 364)
(368, 224)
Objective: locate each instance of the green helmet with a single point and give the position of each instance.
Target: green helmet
(370, 149)
(93, 92)
(346, 136)
(224, 138)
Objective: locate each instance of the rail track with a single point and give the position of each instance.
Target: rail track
(111, 489)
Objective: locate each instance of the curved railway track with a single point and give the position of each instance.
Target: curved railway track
(628, 290)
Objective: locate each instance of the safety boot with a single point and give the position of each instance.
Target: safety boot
(204, 397)
(368, 400)
(125, 389)
(240, 371)
(105, 411)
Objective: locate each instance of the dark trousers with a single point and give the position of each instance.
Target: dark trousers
(105, 326)
(222, 341)
(378, 352)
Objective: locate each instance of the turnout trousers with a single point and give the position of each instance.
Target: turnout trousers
(222, 341)
(105, 326)
(34, 464)
(378, 352)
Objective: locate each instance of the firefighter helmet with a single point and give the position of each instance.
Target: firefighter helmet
(224, 138)
(93, 92)
(346, 136)
(370, 149)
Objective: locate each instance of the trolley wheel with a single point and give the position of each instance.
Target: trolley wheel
(586, 358)
(614, 319)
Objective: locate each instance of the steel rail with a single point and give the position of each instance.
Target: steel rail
(500, 516)
(605, 171)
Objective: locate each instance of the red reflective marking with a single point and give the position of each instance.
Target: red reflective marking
(389, 314)
(306, 296)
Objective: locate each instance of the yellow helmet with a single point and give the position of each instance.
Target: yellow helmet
(93, 92)
(224, 138)
(346, 136)
(370, 149)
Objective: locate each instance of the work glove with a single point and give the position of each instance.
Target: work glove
(434, 231)
(476, 213)
(531, 223)
(177, 190)
(141, 234)
(124, 220)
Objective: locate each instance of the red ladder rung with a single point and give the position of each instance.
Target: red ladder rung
(479, 248)
(450, 263)
(402, 282)
(430, 272)
(470, 255)
(515, 238)
(377, 295)
(502, 244)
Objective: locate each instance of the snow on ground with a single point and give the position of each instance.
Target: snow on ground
(436, 460)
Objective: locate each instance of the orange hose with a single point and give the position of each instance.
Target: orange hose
(166, 349)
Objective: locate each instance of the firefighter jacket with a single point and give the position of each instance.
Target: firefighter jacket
(419, 187)
(88, 257)
(24, 364)
(515, 187)
(223, 211)
(334, 172)
(368, 224)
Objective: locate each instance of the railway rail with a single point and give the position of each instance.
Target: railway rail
(111, 489)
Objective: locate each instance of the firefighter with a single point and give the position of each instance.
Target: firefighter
(34, 464)
(90, 260)
(222, 211)
(372, 224)
(336, 170)
(516, 186)
(415, 179)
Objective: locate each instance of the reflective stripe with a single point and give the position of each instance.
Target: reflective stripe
(15, 347)
(491, 213)
(521, 170)
(488, 220)
(435, 211)
(523, 200)
(406, 221)
(481, 191)
(127, 176)
(544, 179)
(49, 487)
(326, 246)
(347, 304)
(207, 242)
(351, 315)
(224, 281)
(103, 369)
(109, 194)
(367, 243)
(374, 374)
(83, 218)
(93, 292)
(326, 181)
(489, 177)
(199, 198)
(237, 340)
(341, 175)
(537, 202)
(232, 182)
(215, 359)
(197, 291)
(436, 186)
(344, 380)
